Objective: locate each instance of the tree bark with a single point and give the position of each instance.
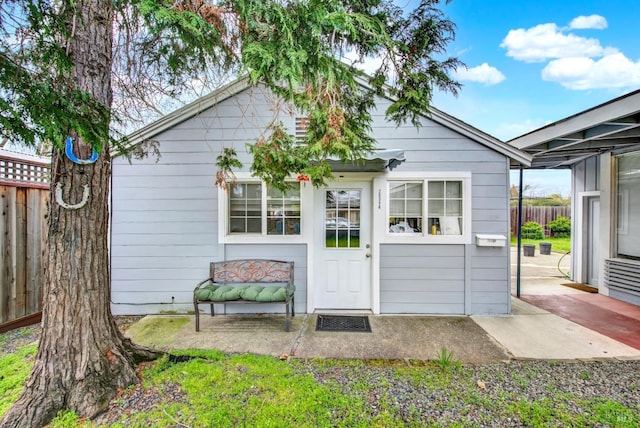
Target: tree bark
(82, 358)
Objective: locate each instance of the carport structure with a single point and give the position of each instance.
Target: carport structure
(601, 146)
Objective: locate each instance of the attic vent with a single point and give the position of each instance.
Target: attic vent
(622, 276)
(301, 128)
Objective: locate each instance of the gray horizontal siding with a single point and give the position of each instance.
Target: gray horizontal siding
(441, 308)
(422, 279)
(434, 281)
(167, 250)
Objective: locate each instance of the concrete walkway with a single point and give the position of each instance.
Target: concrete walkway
(527, 333)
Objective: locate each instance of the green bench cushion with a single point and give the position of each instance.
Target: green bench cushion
(203, 293)
(255, 293)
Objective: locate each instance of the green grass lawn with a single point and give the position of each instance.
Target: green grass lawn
(558, 245)
(216, 389)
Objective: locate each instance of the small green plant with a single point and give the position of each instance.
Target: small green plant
(445, 360)
(560, 227)
(66, 419)
(532, 230)
(520, 379)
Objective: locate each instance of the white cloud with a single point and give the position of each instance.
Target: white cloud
(482, 73)
(611, 71)
(577, 63)
(594, 22)
(547, 41)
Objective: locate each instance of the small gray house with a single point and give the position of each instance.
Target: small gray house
(420, 227)
(601, 146)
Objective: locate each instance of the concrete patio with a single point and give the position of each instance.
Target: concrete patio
(527, 333)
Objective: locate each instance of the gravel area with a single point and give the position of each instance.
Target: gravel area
(13, 339)
(137, 400)
(494, 386)
(473, 395)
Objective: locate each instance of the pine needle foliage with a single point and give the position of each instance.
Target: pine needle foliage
(296, 48)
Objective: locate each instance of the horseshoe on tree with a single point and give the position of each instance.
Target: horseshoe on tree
(68, 150)
(63, 204)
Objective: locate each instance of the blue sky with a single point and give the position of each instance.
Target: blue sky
(530, 63)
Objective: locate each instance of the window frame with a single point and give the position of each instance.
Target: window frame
(623, 212)
(425, 235)
(226, 237)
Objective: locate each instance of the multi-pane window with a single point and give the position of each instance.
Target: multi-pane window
(245, 208)
(342, 218)
(283, 212)
(444, 204)
(256, 209)
(405, 207)
(441, 200)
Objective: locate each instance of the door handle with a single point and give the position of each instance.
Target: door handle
(368, 255)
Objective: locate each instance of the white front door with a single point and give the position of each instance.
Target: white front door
(343, 246)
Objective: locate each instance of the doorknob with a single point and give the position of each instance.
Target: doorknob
(368, 255)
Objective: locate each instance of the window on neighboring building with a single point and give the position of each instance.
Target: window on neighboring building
(628, 207)
(256, 209)
(441, 199)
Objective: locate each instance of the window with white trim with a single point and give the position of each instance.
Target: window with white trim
(254, 208)
(444, 205)
(442, 200)
(405, 207)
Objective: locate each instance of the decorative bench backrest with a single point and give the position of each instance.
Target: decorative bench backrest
(252, 270)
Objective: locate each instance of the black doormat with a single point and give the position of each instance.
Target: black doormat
(343, 323)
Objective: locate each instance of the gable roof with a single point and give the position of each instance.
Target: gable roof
(613, 126)
(201, 104)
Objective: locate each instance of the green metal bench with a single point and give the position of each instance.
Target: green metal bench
(247, 281)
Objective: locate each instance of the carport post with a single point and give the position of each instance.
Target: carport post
(519, 257)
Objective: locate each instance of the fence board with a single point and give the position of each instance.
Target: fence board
(5, 254)
(24, 196)
(541, 215)
(19, 234)
(37, 227)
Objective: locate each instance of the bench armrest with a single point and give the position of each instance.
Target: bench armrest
(201, 283)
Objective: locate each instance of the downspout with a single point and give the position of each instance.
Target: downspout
(519, 257)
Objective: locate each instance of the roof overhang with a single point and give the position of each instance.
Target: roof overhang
(376, 161)
(610, 127)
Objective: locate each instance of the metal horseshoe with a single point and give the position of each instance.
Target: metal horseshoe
(63, 204)
(68, 150)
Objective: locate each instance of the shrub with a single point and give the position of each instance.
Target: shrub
(532, 230)
(560, 227)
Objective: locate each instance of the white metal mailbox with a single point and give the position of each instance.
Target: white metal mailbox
(491, 240)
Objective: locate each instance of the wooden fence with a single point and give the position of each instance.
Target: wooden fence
(541, 215)
(24, 196)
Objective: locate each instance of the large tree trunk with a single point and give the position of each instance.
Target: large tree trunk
(82, 358)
